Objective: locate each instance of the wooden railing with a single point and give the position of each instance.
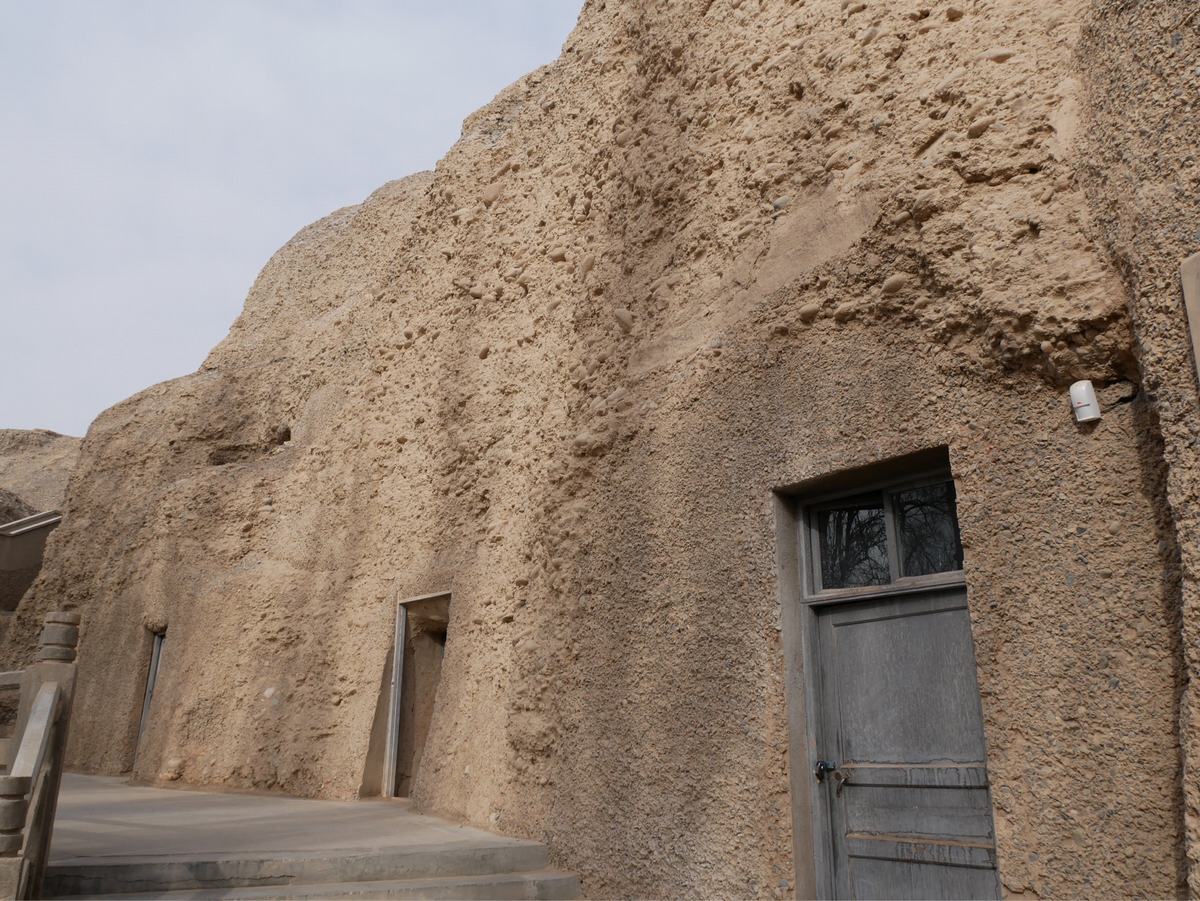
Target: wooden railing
(32, 760)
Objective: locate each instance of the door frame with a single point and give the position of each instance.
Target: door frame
(158, 640)
(799, 599)
(391, 747)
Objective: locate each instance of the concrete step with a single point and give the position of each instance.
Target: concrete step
(159, 875)
(537, 885)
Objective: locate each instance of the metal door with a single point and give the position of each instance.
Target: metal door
(901, 749)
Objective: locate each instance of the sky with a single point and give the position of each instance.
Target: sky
(155, 153)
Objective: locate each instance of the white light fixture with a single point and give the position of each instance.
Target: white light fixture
(1083, 402)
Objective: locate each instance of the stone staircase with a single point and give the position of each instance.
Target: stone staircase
(506, 870)
(112, 839)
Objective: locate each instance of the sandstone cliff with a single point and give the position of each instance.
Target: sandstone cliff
(36, 465)
(718, 247)
(12, 507)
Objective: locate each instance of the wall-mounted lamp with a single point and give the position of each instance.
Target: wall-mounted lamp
(1083, 402)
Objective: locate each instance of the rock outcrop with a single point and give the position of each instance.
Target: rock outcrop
(12, 507)
(717, 248)
(36, 464)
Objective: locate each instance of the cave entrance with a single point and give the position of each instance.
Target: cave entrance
(420, 645)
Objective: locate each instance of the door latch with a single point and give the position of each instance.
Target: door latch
(823, 767)
(840, 777)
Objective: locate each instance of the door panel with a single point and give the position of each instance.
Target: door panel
(909, 809)
(924, 712)
(922, 811)
(877, 878)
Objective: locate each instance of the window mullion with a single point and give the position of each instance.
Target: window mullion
(814, 550)
(893, 543)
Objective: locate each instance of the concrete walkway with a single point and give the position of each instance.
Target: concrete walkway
(102, 819)
(111, 838)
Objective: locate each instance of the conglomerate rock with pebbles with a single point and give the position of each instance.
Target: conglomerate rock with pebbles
(718, 247)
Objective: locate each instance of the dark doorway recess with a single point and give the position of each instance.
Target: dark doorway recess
(157, 646)
(420, 645)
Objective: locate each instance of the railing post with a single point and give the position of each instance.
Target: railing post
(12, 818)
(54, 662)
(13, 790)
(60, 636)
(28, 800)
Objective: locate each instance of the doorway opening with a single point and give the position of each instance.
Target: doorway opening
(418, 649)
(158, 643)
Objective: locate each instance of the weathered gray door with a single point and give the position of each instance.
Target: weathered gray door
(908, 812)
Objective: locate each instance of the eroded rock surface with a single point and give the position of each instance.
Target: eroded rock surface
(718, 247)
(12, 507)
(36, 464)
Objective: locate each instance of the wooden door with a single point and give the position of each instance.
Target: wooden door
(903, 795)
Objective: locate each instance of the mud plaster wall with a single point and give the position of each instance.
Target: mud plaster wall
(1143, 177)
(716, 248)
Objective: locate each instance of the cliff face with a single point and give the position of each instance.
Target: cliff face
(36, 465)
(12, 507)
(716, 248)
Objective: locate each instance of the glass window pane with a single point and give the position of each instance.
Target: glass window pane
(928, 530)
(853, 540)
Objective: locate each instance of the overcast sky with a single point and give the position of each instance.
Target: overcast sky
(154, 154)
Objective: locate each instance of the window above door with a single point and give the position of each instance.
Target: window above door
(901, 534)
